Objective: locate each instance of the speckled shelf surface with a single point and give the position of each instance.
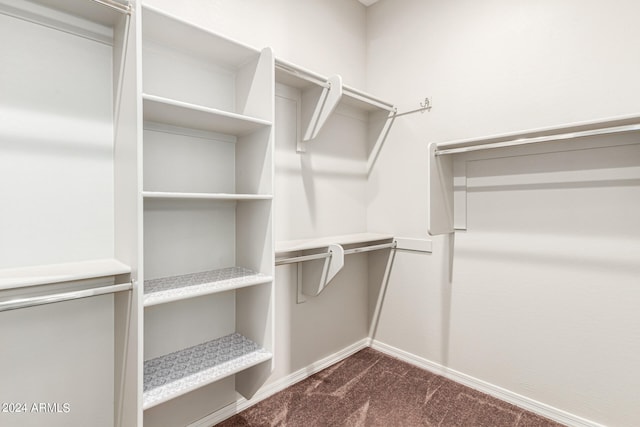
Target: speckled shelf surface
(167, 289)
(182, 371)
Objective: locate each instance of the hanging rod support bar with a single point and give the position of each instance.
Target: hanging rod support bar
(424, 106)
(17, 303)
(533, 140)
(391, 245)
(302, 258)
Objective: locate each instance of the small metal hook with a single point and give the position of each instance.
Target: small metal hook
(426, 105)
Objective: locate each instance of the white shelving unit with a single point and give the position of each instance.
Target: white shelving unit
(207, 194)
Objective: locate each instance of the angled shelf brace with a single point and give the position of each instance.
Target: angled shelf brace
(440, 187)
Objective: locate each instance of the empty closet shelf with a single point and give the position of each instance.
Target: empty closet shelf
(322, 242)
(168, 289)
(183, 114)
(58, 273)
(205, 196)
(180, 372)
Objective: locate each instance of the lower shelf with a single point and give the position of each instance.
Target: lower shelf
(174, 374)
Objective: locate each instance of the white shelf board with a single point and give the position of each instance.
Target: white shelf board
(322, 242)
(56, 273)
(52, 12)
(174, 374)
(206, 196)
(183, 114)
(561, 130)
(182, 36)
(174, 288)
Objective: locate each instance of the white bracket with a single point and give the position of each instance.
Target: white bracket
(327, 102)
(331, 266)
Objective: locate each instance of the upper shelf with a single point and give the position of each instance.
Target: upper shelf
(93, 19)
(322, 242)
(554, 133)
(182, 36)
(56, 273)
(301, 78)
(321, 96)
(177, 113)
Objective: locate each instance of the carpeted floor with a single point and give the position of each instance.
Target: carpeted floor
(373, 389)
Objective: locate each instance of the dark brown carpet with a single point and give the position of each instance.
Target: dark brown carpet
(373, 389)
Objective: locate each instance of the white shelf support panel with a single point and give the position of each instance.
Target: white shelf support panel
(174, 374)
(440, 187)
(326, 104)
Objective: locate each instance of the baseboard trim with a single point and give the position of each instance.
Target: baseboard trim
(272, 388)
(534, 406)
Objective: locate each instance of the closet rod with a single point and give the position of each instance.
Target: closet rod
(120, 6)
(302, 73)
(18, 303)
(303, 258)
(369, 99)
(537, 139)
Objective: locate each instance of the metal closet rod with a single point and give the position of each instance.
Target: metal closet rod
(537, 139)
(322, 81)
(120, 6)
(303, 258)
(303, 73)
(18, 303)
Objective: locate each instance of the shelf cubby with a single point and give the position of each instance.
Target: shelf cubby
(177, 373)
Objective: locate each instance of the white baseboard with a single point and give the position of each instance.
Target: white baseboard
(477, 384)
(272, 388)
(485, 387)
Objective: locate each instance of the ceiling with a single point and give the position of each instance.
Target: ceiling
(367, 2)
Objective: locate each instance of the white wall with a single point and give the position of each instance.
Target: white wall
(544, 283)
(326, 36)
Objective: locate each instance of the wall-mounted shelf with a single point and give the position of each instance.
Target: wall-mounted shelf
(321, 96)
(205, 196)
(174, 374)
(169, 289)
(57, 273)
(440, 188)
(333, 256)
(284, 246)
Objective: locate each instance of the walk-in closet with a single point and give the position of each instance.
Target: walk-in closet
(319, 212)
